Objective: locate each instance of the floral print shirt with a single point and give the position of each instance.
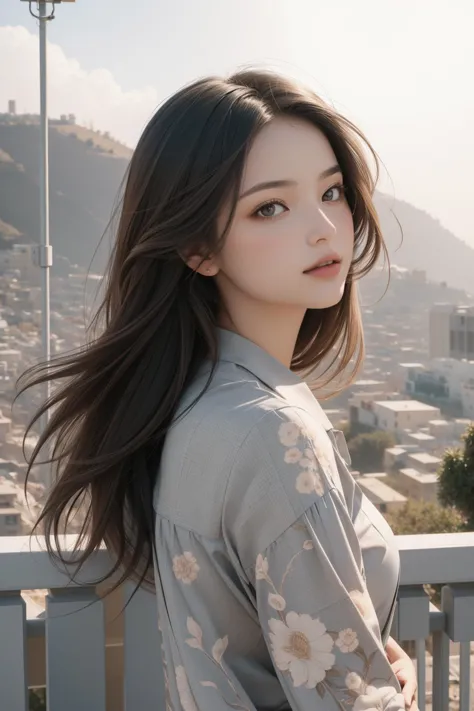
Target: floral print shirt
(275, 576)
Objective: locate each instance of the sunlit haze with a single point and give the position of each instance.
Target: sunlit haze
(401, 70)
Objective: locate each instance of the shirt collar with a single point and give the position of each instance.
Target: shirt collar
(234, 348)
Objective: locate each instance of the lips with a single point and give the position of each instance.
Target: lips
(324, 262)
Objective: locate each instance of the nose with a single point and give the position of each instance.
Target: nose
(322, 229)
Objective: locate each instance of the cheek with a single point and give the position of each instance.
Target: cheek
(346, 226)
(249, 252)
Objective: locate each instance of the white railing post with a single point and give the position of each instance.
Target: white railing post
(144, 686)
(75, 650)
(13, 673)
(412, 623)
(458, 605)
(76, 641)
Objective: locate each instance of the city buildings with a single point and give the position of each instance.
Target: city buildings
(451, 331)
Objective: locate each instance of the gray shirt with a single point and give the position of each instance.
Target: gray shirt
(275, 576)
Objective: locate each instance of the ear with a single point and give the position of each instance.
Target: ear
(205, 267)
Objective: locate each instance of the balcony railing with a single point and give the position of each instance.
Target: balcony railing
(91, 654)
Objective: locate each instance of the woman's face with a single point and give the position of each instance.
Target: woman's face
(291, 215)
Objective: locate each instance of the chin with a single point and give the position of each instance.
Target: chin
(327, 299)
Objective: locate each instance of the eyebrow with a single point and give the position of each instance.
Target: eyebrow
(333, 170)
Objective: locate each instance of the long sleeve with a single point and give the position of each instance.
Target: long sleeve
(322, 637)
(313, 604)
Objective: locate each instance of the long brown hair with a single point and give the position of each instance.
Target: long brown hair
(157, 322)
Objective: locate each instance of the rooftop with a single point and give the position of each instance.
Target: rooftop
(406, 406)
(379, 492)
(424, 458)
(7, 489)
(419, 476)
(422, 436)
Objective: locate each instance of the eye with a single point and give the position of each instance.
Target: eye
(270, 209)
(338, 190)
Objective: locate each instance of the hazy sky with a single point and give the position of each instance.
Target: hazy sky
(401, 69)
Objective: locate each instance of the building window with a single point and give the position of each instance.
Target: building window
(452, 340)
(11, 520)
(470, 343)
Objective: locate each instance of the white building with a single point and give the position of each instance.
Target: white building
(452, 331)
(422, 440)
(20, 259)
(456, 372)
(5, 427)
(397, 415)
(418, 485)
(11, 357)
(423, 462)
(467, 399)
(10, 516)
(380, 494)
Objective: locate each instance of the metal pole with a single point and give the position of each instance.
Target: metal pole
(45, 252)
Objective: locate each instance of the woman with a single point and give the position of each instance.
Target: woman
(185, 426)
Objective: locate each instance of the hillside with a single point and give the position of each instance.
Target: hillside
(426, 244)
(84, 181)
(86, 169)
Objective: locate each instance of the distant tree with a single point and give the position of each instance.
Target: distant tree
(425, 517)
(346, 430)
(352, 429)
(456, 478)
(367, 450)
(37, 700)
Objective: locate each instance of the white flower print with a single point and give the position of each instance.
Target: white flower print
(289, 433)
(184, 691)
(194, 629)
(305, 649)
(353, 681)
(219, 648)
(347, 641)
(309, 455)
(308, 464)
(323, 451)
(185, 568)
(374, 699)
(293, 455)
(302, 647)
(305, 482)
(318, 485)
(362, 601)
(276, 601)
(261, 568)
(308, 482)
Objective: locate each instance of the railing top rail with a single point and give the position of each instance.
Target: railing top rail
(434, 558)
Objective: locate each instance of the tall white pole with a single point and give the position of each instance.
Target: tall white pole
(45, 251)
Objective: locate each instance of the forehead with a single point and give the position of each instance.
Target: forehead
(287, 148)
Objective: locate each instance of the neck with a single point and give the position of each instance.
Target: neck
(276, 333)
